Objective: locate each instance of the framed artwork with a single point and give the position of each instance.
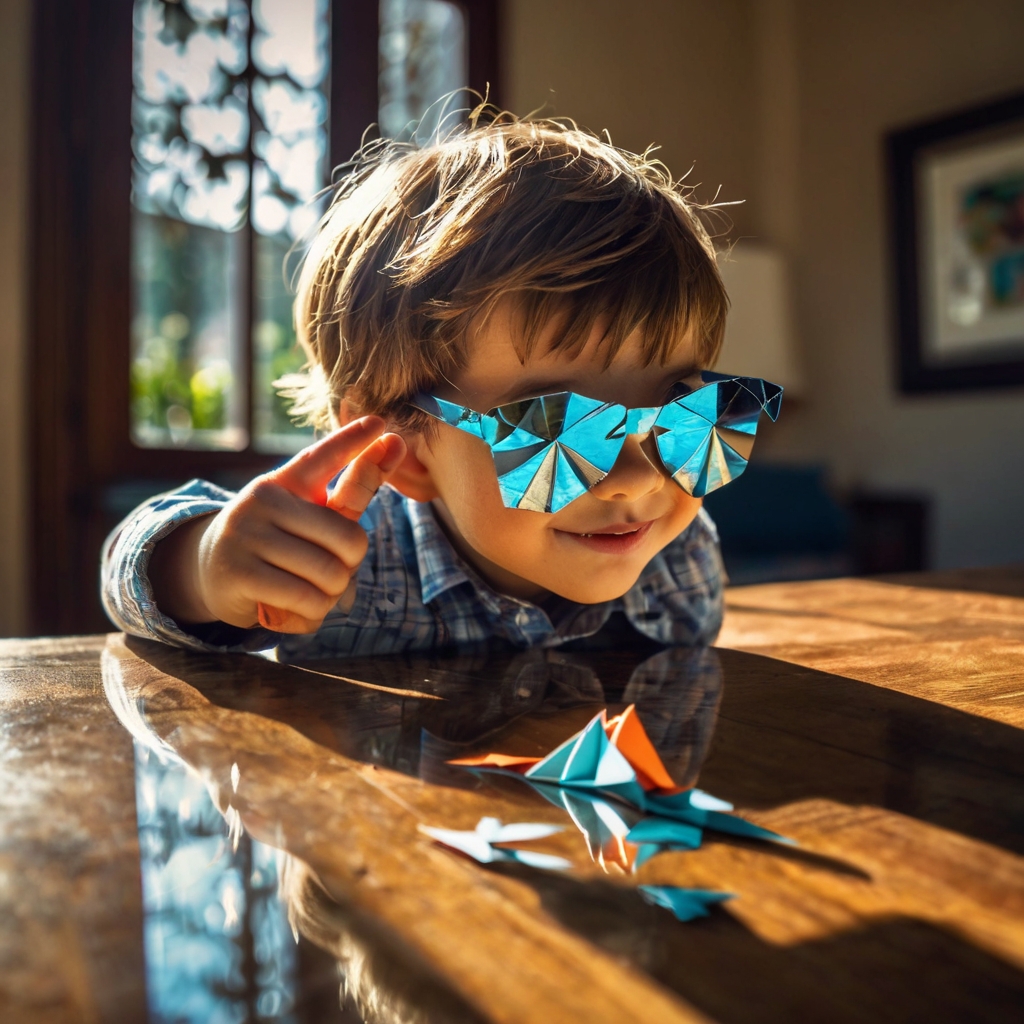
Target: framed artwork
(957, 194)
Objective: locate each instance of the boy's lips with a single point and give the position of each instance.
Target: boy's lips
(617, 539)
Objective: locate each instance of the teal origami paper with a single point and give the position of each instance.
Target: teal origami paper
(665, 831)
(479, 843)
(603, 824)
(589, 761)
(686, 904)
(700, 809)
(549, 450)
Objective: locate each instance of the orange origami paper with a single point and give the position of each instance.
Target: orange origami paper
(613, 759)
(627, 733)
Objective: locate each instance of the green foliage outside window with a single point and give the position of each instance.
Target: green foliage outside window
(185, 334)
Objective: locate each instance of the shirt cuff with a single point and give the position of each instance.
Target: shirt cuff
(125, 587)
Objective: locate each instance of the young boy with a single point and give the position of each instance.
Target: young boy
(514, 260)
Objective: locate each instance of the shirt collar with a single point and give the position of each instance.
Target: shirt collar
(441, 568)
(439, 564)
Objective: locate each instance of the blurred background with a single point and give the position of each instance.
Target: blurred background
(160, 158)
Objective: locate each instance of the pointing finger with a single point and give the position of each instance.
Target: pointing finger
(357, 486)
(308, 474)
(364, 475)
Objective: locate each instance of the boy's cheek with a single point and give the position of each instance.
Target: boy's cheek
(523, 542)
(686, 511)
(463, 472)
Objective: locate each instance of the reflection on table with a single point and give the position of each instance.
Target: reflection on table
(221, 906)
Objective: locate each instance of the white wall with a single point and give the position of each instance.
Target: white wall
(676, 73)
(14, 49)
(864, 69)
(784, 103)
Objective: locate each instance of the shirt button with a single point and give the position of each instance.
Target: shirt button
(522, 618)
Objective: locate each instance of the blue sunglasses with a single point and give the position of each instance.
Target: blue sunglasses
(549, 450)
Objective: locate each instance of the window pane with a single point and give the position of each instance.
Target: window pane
(230, 152)
(185, 335)
(290, 60)
(422, 59)
(190, 190)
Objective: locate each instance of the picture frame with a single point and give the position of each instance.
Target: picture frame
(957, 219)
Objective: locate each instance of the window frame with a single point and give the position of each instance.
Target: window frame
(80, 449)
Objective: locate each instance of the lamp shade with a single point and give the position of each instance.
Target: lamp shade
(760, 340)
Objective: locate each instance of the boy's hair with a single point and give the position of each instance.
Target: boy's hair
(420, 244)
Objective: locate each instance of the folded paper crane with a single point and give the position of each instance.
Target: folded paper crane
(619, 794)
(612, 754)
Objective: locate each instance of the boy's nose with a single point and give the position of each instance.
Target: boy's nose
(638, 471)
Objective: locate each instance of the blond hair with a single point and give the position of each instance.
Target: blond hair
(420, 244)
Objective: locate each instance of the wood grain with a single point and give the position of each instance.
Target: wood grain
(70, 890)
(875, 721)
(909, 815)
(483, 933)
(963, 648)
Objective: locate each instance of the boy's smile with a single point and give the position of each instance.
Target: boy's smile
(617, 539)
(594, 548)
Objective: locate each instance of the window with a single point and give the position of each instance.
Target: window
(179, 146)
(230, 161)
(422, 57)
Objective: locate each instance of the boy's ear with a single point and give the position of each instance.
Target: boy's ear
(412, 478)
(343, 414)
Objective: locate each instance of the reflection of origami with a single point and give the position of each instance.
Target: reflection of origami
(618, 792)
(549, 450)
(479, 844)
(686, 904)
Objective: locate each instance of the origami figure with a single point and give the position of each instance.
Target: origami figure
(549, 450)
(613, 784)
(479, 844)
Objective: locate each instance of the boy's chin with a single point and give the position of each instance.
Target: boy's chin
(581, 592)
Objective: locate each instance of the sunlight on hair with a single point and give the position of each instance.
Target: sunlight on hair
(424, 239)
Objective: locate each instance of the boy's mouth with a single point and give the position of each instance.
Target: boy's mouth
(617, 539)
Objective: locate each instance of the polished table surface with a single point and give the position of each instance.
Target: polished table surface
(163, 813)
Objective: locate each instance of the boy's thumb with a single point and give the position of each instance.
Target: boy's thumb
(362, 477)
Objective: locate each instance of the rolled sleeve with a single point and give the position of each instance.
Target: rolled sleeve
(125, 587)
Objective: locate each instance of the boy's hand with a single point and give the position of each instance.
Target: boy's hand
(283, 551)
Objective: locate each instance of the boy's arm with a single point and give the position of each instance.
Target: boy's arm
(283, 551)
(679, 597)
(125, 585)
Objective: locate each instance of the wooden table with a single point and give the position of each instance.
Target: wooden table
(877, 722)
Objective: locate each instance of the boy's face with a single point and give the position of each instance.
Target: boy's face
(594, 548)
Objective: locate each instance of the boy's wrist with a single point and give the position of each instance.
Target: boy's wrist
(174, 573)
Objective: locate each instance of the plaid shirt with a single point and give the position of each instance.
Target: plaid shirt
(414, 592)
